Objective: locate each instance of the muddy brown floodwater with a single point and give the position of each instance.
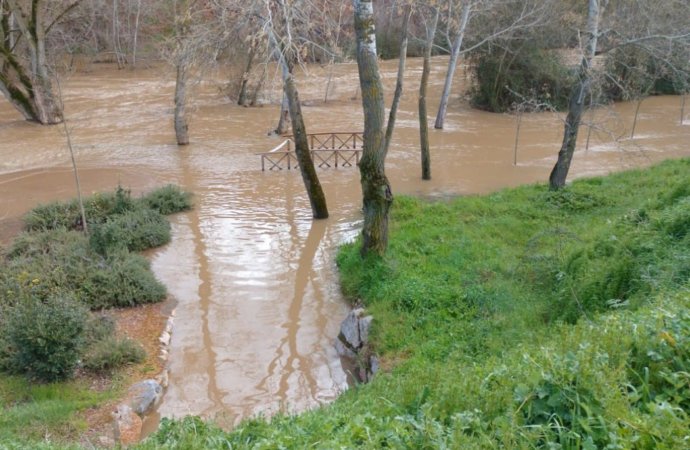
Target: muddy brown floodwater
(259, 300)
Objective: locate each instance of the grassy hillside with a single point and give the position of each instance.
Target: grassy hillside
(523, 319)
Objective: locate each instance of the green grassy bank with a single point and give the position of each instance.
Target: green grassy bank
(524, 319)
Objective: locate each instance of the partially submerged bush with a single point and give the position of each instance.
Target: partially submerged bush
(135, 230)
(45, 337)
(112, 353)
(168, 200)
(100, 207)
(67, 214)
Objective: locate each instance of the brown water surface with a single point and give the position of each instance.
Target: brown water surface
(259, 300)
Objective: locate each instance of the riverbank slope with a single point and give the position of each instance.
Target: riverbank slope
(520, 319)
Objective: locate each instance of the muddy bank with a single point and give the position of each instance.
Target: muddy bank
(259, 298)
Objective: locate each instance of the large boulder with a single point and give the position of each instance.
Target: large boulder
(364, 328)
(144, 396)
(350, 328)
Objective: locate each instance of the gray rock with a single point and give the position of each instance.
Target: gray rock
(374, 365)
(350, 328)
(364, 328)
(343, 350)
(145, 396)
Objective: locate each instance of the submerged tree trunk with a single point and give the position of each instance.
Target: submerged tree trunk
(423, 119)
(559, 174)
(181, 127)
(284, 121)
(401, 78)
(376, 190)
(452, 64)
(317, 198)
(25, 78)
(241, 97)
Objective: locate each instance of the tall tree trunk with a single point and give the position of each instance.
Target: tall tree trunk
(242, 96)
(183, 24)
(317, 198)
(136, 35)
(452, 64)
(423, 119)
(401, 78)
(284, 121)
(376, 190)
(559, 174)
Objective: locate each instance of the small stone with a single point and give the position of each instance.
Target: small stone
(165, 338)
(145, 396)
(163, 355)
(162, 379)
(343, 350)
(126, 425)
(169, 326)
(374, 365)
(172, 313)
(364, 328)
(350, 328)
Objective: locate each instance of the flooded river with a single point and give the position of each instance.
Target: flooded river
(258, 298)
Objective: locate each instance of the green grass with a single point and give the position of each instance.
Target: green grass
(31, 413)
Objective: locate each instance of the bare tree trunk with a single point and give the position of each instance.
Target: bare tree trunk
(401, 78)
(317, 198)
(330, 77)
(241, 97)
(423, 118)
(637, 113)
(28, 89)
(74, 161)
(682, 107)
(452, 64)
(284, 121)
(559, 174)
(259, 86)
(136, 35)
(517, 133)
(181, 126)
(116, 36)
(376, 190)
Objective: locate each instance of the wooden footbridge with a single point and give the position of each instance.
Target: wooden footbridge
(327, 150)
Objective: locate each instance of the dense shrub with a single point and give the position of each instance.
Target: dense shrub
(45, 336)
(67, 214)
(502, 80)
(168, 199)
(112, 353)
(103, 206)
(135, 230)
(58, 261)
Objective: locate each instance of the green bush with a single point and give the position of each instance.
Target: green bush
(168, 200)
(111, 353)
(67, 214)
(59, 261)
(136, 230)
(46, 337)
